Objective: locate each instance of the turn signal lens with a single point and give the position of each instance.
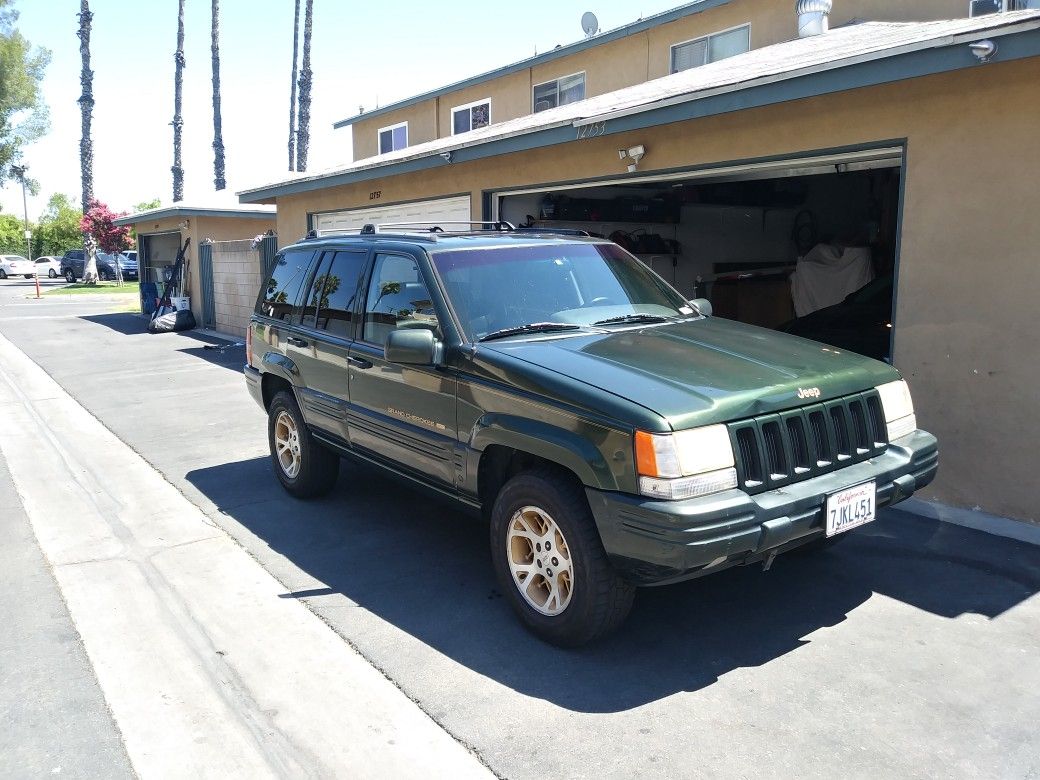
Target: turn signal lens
(249, 344)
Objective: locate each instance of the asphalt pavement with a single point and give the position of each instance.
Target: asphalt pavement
(909, 650)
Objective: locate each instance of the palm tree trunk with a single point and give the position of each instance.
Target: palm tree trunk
(304, 137)
(292, 92)
(218, 140)
(178, 122)
(86, 145)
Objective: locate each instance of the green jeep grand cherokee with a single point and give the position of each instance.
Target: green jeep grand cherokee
(613, 433)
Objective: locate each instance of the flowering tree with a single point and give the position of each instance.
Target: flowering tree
(99, 222)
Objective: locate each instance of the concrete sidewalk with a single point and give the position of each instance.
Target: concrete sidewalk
(208, 669)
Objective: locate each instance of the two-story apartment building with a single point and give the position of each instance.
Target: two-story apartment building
(725, 140)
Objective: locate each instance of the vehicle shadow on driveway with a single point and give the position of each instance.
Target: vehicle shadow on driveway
(424, 567)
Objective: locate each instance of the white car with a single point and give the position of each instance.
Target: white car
(49, 266)
(16, 265)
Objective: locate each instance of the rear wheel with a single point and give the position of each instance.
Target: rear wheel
(304, 467)
(3, 273)
(550, 561)
(70, 277)
(52, 273)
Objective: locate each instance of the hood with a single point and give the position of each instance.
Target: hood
(704, 371)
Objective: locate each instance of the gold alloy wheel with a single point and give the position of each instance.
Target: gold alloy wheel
(540, 560)
(287, 444)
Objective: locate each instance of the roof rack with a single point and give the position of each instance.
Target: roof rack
(431, 227)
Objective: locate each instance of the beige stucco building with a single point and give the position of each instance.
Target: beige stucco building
(910, 138)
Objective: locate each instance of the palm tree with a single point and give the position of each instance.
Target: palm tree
(178, 122)
(304, 137)
(292, 92)
(86, 145)
(218, 141)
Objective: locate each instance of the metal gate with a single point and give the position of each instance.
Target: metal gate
(209, 309)
(268, 249)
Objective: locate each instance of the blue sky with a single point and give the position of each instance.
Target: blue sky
(362, 55)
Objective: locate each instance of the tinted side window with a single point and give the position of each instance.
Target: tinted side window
(279, 295)
(333, 292)
(397, 298)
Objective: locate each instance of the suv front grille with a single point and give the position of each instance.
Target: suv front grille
(773, 450)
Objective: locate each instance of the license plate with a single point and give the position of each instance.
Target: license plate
(850, 508)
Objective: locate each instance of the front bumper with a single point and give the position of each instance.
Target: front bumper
(654, 542)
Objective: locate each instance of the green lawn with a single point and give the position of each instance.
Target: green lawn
(108, 288)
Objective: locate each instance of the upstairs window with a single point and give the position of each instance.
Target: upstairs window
(471, 116)
(393, 138)
(984, 7)
(711, 48)
(559, 92)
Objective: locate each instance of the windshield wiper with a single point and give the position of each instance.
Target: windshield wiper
(650, 318)
(531, 327)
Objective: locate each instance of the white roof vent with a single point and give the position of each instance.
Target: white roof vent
(813, 17)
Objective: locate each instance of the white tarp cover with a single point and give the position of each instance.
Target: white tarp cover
(827, 274)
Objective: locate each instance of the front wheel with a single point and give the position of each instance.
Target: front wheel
(70, 277)
(550, 561)
(305, 468)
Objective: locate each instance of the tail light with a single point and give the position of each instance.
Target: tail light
(249, 344)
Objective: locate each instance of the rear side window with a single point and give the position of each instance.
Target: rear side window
(330, 304)
(280, 294)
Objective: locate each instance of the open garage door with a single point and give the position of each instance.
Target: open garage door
(454, 209)
(805, 245)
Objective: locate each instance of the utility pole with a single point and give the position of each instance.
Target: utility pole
(19, 171)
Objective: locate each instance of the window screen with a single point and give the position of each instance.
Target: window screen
(689, 55)
(334, 291)
(278, 297)
(397, 298)
(729, 44)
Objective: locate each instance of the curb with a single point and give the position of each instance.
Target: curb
(977, 520)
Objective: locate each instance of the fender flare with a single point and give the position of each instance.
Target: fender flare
(555, 444)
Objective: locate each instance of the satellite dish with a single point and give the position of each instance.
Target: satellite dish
(589, 23)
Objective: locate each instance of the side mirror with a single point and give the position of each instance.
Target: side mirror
(412, 347)
(702, 305)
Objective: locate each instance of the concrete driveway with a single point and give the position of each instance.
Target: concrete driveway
(912, 649)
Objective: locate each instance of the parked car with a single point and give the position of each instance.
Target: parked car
(861, 323)
(73, 262)
(49, 266)
(15, 265)
(612, 433)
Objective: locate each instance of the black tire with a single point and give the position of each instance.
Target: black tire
(600, 599)
(51, 273)
(70, 277)
(318, 467)
(3, 273)
(106, 276)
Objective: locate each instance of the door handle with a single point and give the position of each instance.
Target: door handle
(293, 341)
(359, 362)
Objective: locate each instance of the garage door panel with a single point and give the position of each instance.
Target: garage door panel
(455, 209)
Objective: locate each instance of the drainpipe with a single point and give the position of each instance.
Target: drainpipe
(813, 17)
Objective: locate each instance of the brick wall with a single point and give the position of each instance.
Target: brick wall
(236, 281)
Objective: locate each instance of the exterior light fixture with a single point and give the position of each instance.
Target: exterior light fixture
(635, 154)
(983, 50)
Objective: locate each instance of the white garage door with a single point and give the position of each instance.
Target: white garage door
(432, 212)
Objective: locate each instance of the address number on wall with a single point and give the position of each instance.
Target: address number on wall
(375, 195)
(592, 131)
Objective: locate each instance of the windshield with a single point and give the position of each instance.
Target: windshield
(499, 288)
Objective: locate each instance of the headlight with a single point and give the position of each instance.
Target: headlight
(899, 409)
(685, 464)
